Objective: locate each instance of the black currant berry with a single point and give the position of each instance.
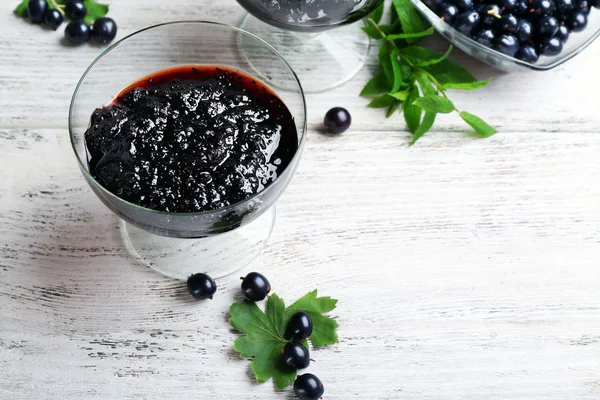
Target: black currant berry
(53, 18)
(337, 120)
(524, 31)
(300, 326)
(104, 30)
(75, 10)
(308, 387)
(201, 286)
(37, 10)
(486, 37)
(528, 54)
(507, 44)
(547, 26)
(467, 22)
(78, 32)
(295, 355)
(577, 22)
(255, 286)
(448, 13)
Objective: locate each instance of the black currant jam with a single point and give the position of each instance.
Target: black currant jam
(191, 139)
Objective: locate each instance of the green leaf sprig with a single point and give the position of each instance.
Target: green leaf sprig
(94, 10)
(264, 333)
(414, 79)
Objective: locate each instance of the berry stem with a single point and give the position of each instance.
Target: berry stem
(57, 6)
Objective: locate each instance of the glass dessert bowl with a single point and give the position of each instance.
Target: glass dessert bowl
(197, 193)
(317, 37)
(575, 42)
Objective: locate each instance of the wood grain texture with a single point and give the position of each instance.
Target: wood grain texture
(465, 269)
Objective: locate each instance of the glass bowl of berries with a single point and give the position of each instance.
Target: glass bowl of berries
(513, 35)
(317, 37)
(186, 147)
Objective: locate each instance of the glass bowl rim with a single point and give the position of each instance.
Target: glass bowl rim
(472, 42)
(230, 207)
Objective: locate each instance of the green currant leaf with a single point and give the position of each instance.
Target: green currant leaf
(95, 10)
(21, 9)
(482, 128)
(426, 124)
(324, 328)
(381, 102)
(412, 35)
(412, 112)
(263, 333)
(377, 85)
(435, 104)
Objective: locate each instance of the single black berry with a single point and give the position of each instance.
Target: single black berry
(37, 10)
(337, 120)
(201, 286)
(448, 13)
(577, 22)
(547, 26)
(104, 30)
(486, 37)
(490, 16)
(78, 32)
(507, 6)
(563, 33)
(539, 8)
(524, 31)
(550, 46)
(433, 5)
(467, 22)
(528, 54)
(53, 18)
(300, 326)
(308, 387)
(75, 10)
(507, 44)
(255, 286)
(464, 5)
(295, 355)
(509, 23)
(583, 6)
(564, 6)
(521, 8)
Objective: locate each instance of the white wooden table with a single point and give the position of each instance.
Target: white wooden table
(464, 268)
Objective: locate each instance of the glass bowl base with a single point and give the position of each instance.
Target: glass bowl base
(322, 60)
(216, 256)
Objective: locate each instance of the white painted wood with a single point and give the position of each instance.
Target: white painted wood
(465, 269)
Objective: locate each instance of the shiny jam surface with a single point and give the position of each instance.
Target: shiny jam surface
(191, 139)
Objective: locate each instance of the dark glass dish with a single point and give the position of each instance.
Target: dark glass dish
(309, 16)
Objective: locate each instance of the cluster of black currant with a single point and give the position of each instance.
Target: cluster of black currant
(256, 287)
(524, 29)
(77, 31)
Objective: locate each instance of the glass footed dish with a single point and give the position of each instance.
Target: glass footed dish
(576, 43)
(217, 242)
